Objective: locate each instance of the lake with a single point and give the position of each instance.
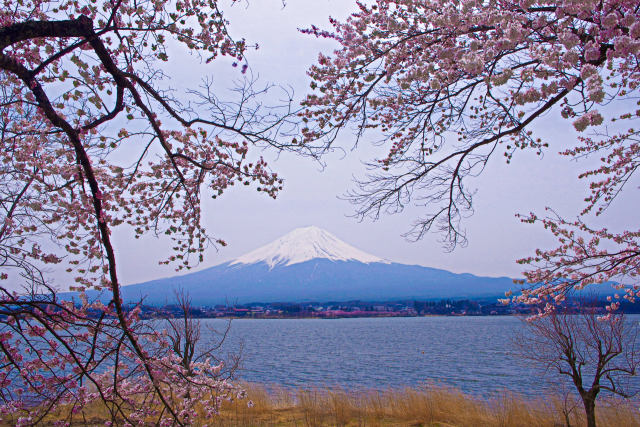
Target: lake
(474, 354)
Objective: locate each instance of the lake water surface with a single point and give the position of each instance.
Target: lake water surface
(474, 354)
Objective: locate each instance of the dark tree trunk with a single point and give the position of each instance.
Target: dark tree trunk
(567, 419)
(590, 410)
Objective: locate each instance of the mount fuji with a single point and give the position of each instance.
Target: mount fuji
(311, 264)
(305, 244)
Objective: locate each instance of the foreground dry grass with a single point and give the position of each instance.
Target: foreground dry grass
(429, 406)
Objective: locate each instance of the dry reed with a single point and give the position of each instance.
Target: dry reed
(432, 405)
(427, 406)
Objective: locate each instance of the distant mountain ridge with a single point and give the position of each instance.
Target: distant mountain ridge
(317, 280)
(311, 264)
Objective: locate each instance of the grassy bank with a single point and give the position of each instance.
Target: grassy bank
(428, 406)
(432, 406)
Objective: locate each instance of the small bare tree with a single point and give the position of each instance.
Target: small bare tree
(599, 353)
(184, 334)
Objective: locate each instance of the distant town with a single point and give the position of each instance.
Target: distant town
(333, 310)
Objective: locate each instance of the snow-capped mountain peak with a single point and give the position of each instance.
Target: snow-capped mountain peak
(303, 244)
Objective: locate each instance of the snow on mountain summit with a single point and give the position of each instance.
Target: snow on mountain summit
(303, 244)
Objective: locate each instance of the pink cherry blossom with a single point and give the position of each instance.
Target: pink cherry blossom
(70, 71)
(445, 86)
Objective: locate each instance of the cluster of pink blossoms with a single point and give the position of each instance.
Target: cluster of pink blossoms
(446, 85)
(92, 140)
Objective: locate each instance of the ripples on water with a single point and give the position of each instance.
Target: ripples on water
(474, 354)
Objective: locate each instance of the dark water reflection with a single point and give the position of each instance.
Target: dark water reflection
(475, 354)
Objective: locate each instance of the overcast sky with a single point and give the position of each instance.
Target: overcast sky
(247, 219)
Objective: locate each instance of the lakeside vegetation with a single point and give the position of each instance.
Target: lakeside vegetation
(358, 308)
(432, 405)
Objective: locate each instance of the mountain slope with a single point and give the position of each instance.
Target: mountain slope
(317, 280)
(310, 264)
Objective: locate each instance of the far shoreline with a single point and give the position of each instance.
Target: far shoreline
(349, 317)
(485, 307)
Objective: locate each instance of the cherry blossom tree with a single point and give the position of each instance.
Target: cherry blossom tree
(94, 138)
(446, 85)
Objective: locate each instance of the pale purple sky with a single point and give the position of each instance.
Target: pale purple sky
(247, 219)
